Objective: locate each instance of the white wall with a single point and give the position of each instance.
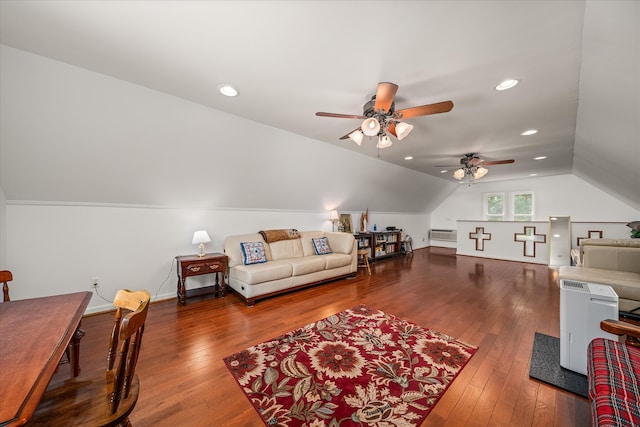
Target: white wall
(502, 244)
(104, 178)
(3, 231)
(562, 195)
(58, 248)
(69, 134)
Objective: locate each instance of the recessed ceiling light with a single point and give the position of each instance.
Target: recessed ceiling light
(409, 158)
(506, 84)
(533, 174)
(529, 132)
(540, 158)
(227, 90)
(444, 171)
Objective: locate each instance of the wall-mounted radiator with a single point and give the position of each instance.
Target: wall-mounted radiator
(445, 235)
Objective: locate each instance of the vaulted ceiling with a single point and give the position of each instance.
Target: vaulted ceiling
(577, 62)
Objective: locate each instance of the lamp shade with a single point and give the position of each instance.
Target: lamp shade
(201, 236)
(480, 172)
(356, 136)
(384, 141)
(403, 129)
(333, 215)
(459, 174)
(370, 126)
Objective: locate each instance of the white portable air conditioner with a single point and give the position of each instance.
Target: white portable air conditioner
(582, 307)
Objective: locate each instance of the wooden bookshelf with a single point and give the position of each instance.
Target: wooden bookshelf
(381, 244)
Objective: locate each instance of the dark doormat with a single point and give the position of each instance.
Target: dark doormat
(545, 366)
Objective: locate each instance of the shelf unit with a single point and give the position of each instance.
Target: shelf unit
(381, 244)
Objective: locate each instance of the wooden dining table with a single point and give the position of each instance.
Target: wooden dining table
(34, 335)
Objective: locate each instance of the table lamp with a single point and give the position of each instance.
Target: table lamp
(200, 238)
(333, 216)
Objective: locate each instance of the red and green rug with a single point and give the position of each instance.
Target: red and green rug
(357, 367)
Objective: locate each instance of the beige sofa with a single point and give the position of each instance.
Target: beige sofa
(613, 262)
(290, 264)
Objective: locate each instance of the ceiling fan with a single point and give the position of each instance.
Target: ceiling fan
(380, 118)
(473, 166)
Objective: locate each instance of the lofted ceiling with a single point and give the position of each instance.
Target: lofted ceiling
(291, 59)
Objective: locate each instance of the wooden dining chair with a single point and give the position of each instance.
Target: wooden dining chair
(5, 276)
(103, 397)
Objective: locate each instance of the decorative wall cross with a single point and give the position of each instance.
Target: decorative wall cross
(591, 234)
(480, 236)
(530, 239)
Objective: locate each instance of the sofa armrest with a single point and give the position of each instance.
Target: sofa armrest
(617, 327)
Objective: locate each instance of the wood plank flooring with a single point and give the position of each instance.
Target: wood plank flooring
(495, 305)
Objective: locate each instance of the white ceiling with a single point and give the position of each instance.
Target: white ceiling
(291, 59)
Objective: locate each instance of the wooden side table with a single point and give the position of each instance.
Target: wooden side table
(194, 265)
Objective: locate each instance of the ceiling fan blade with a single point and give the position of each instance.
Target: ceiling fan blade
(472, 161)
(498, 162)
(384, 96)
(446, 166)
(347, 135)
(391, 128)
(339, 116)
(424, 110)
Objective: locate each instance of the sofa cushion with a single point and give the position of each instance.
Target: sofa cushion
(306, 238)
(321, 246)
(336, 260)
(233, 250)
(621, 258)
(613, 370)
(306, 265)
(286, 249)
(253, 253)
(259, 273)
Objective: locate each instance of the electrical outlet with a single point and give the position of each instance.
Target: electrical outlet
(95, 282)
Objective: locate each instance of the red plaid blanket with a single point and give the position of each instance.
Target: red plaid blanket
(613, 372)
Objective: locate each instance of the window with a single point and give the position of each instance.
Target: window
(494, 206)
(522, 206)
(513, 206)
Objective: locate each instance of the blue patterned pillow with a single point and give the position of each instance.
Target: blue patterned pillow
(321, 245)
(253, 253)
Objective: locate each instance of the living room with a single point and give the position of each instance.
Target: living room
(107, 178)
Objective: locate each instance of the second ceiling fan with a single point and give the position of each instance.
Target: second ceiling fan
(473, 166)
(380, 118)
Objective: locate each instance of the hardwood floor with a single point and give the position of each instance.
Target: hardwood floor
(495, 305)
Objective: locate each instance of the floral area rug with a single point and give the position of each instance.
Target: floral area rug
(357, 367)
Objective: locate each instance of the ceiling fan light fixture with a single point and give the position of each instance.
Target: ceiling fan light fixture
(370, 126)
(459, 174)
(384, 141)
(403, 129)
(480, 172)
(356, 136)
